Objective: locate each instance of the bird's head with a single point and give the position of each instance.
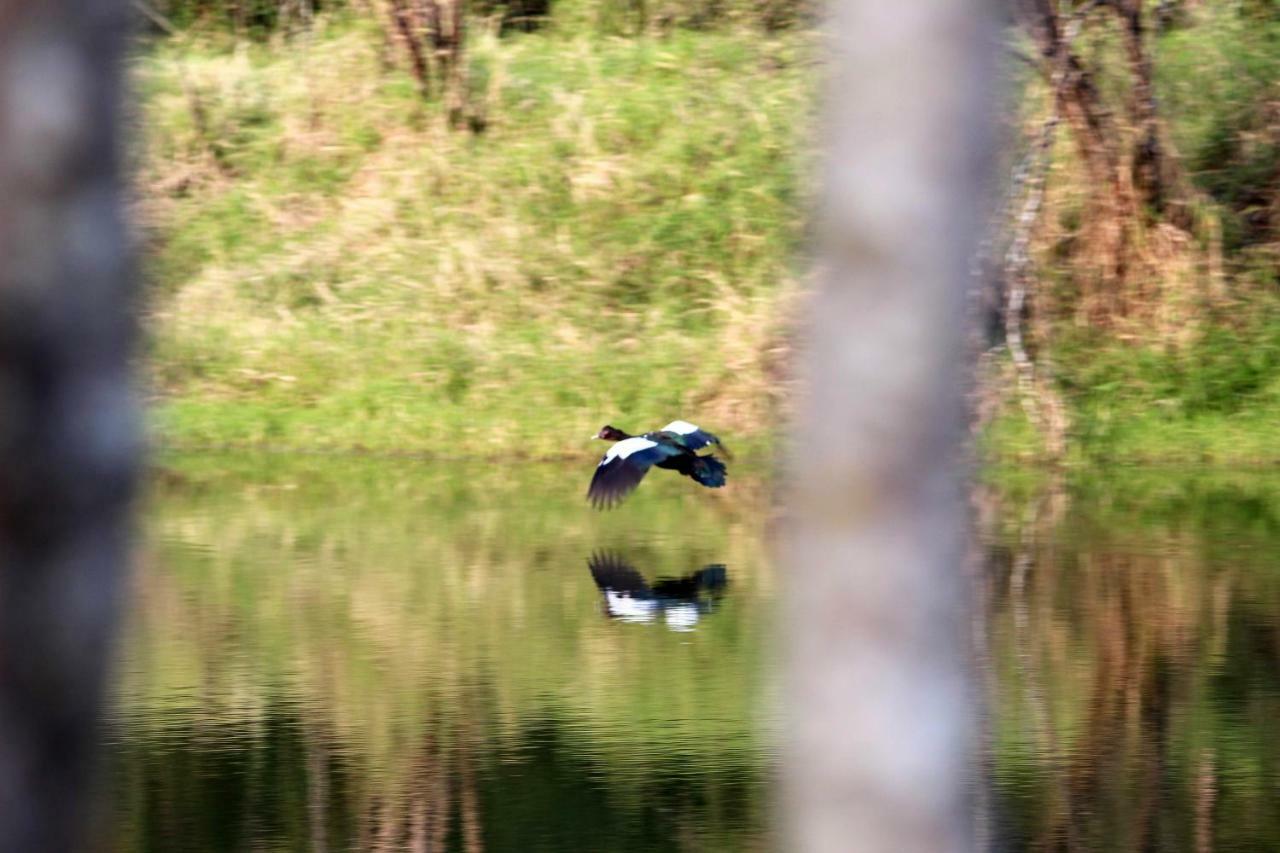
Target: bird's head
(610, 433)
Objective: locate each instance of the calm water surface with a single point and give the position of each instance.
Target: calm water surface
(373, 655)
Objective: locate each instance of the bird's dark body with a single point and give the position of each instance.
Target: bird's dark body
(708, 473)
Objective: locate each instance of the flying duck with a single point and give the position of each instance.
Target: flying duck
(674, 447)
(678, 602)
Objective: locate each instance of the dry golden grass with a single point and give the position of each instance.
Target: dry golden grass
(335, 267)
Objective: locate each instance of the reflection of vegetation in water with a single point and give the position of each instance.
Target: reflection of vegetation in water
(405, 635)
(1135, 643)
(368, 653)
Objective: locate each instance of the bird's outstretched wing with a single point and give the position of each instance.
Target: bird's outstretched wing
(690, 436)
(623, 467)
(610, 571)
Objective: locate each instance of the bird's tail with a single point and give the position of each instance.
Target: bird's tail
(709, 471)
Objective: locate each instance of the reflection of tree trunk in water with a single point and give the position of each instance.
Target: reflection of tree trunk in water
(472, 834)
(1206, 793)
(1155, 736)
(429, 796)
(317, 793)
(985, 758)
(437, 798)
(985, 509)
(416, 817)
(1034, 526)
(469, 802)
(1115, 686)
(387, 826)
(250, 825)
(363, 826)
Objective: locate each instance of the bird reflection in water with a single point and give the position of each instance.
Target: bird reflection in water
(677, 602)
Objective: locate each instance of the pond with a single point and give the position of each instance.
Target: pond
(360, 654)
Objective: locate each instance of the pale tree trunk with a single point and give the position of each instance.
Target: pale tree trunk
(882, 709)
(68, 441)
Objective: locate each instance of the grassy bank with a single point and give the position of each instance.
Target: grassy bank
(334, 268)
(1214, 398)
(1160, 328)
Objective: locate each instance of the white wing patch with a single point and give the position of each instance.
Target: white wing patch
(682, 617)
(680, 427)
(628, 609)
(626, 447)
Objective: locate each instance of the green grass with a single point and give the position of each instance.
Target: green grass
(1219, 79)
(1132, 434)
(1190, 371)
(331, 267)
(1213, 397)
(1215, 400)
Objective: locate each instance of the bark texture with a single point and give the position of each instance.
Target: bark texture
(882, 709)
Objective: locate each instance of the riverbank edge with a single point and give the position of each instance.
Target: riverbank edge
(1246, 439)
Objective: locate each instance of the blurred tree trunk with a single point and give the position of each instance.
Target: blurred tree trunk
(68, 441)
(882, 705)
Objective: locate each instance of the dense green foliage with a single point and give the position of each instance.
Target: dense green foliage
(1219, 79)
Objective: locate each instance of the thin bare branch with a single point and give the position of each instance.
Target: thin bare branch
(155, 17)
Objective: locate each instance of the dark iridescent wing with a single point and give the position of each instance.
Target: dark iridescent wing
(692, 437)
(623, 467)
(612, 572)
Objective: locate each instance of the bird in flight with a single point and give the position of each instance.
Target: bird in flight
(674, 447)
